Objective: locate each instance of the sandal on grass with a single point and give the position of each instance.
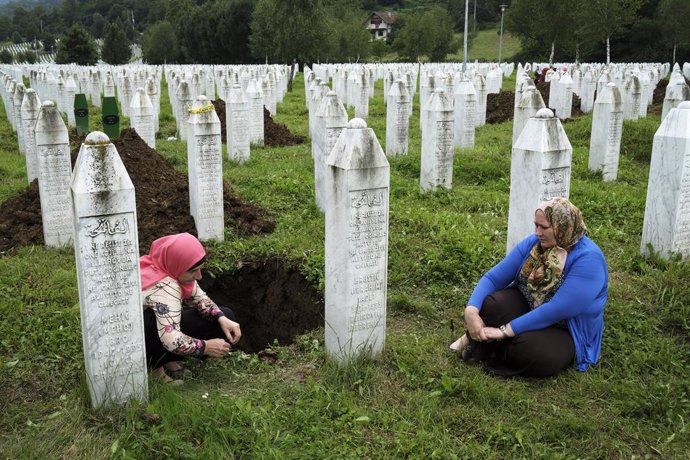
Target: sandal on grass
(175, 370)
(161, 375)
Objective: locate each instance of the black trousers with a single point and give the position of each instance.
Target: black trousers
(540, 353)
(191, 324)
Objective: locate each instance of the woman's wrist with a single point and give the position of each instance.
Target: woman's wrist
(507, 331)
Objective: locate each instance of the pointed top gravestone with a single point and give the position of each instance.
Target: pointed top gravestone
(54, 169)
(31, 106)
(107, 253)
(666, 227)
(539, 170)
(358, 185)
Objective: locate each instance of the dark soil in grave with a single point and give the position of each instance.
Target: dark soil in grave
(270, 301)
(660, 92)
(162, 197)
(275, 134)
(500, 107)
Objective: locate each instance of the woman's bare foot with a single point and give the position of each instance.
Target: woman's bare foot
(459, 345)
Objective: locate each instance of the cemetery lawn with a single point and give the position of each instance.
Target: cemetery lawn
(417, 400)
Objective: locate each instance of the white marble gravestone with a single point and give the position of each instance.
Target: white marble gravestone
(141, 117)
(465, 110)
(184, 101)
(31, 106)
(107, 254)
(204, 157)
(397, 119)
(255, 99)
(564, 101)
(480, 89)
(588, 86)
(529, 104)
(331, 119)
(437, 143)
(539, 170)
(16, 100)
(237, 125)
(632, 99)
(666, 227)
(362, 97)
(125, 93)
(151, 88)
(607, 130)
(109, 86)
(54, 170)
(70, 93)
(95, 88)
(358, 186)
(677, 91)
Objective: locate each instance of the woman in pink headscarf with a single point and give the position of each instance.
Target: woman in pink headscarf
(169, 275)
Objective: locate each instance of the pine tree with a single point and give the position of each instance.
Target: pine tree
(76, 46)
(116, 49)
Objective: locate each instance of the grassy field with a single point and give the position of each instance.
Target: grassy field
(416, 401)
(484, 46)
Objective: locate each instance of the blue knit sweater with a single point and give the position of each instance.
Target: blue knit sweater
(579, 300)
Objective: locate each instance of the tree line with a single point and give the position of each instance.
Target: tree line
(251, 31)
(601, 30)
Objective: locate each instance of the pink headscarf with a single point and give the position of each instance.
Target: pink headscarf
(171, 256)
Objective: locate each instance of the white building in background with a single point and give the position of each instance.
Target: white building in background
(380, 24)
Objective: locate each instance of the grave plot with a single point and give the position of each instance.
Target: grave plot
(162, 195)
(271, 302)
(275, 134)
(499, 107)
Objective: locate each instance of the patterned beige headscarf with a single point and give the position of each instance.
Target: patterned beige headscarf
(543, 269)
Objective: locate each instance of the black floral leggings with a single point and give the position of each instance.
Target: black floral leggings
(191, 324)
(540, 353)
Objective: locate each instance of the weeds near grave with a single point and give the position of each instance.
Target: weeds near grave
(415, 401)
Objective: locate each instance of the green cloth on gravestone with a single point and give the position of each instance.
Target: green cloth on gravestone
(81, 113)
(111, 118)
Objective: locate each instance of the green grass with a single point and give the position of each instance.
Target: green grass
(484, 46)
(416, 401)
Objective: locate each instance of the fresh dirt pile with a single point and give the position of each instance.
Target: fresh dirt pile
(219, 106)
(270, 301)
(500, 107)
(162, 197)
(275, 134)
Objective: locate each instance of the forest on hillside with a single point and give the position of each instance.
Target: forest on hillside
(246, 31)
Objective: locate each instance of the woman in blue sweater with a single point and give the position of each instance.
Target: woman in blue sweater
(541, 309)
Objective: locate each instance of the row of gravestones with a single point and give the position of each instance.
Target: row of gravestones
(246, 90)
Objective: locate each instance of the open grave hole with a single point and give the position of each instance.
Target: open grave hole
(270, 300)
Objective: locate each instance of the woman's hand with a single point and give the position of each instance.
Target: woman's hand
(216, 348)
(494, 333)
(475, 324)
(231, 329)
